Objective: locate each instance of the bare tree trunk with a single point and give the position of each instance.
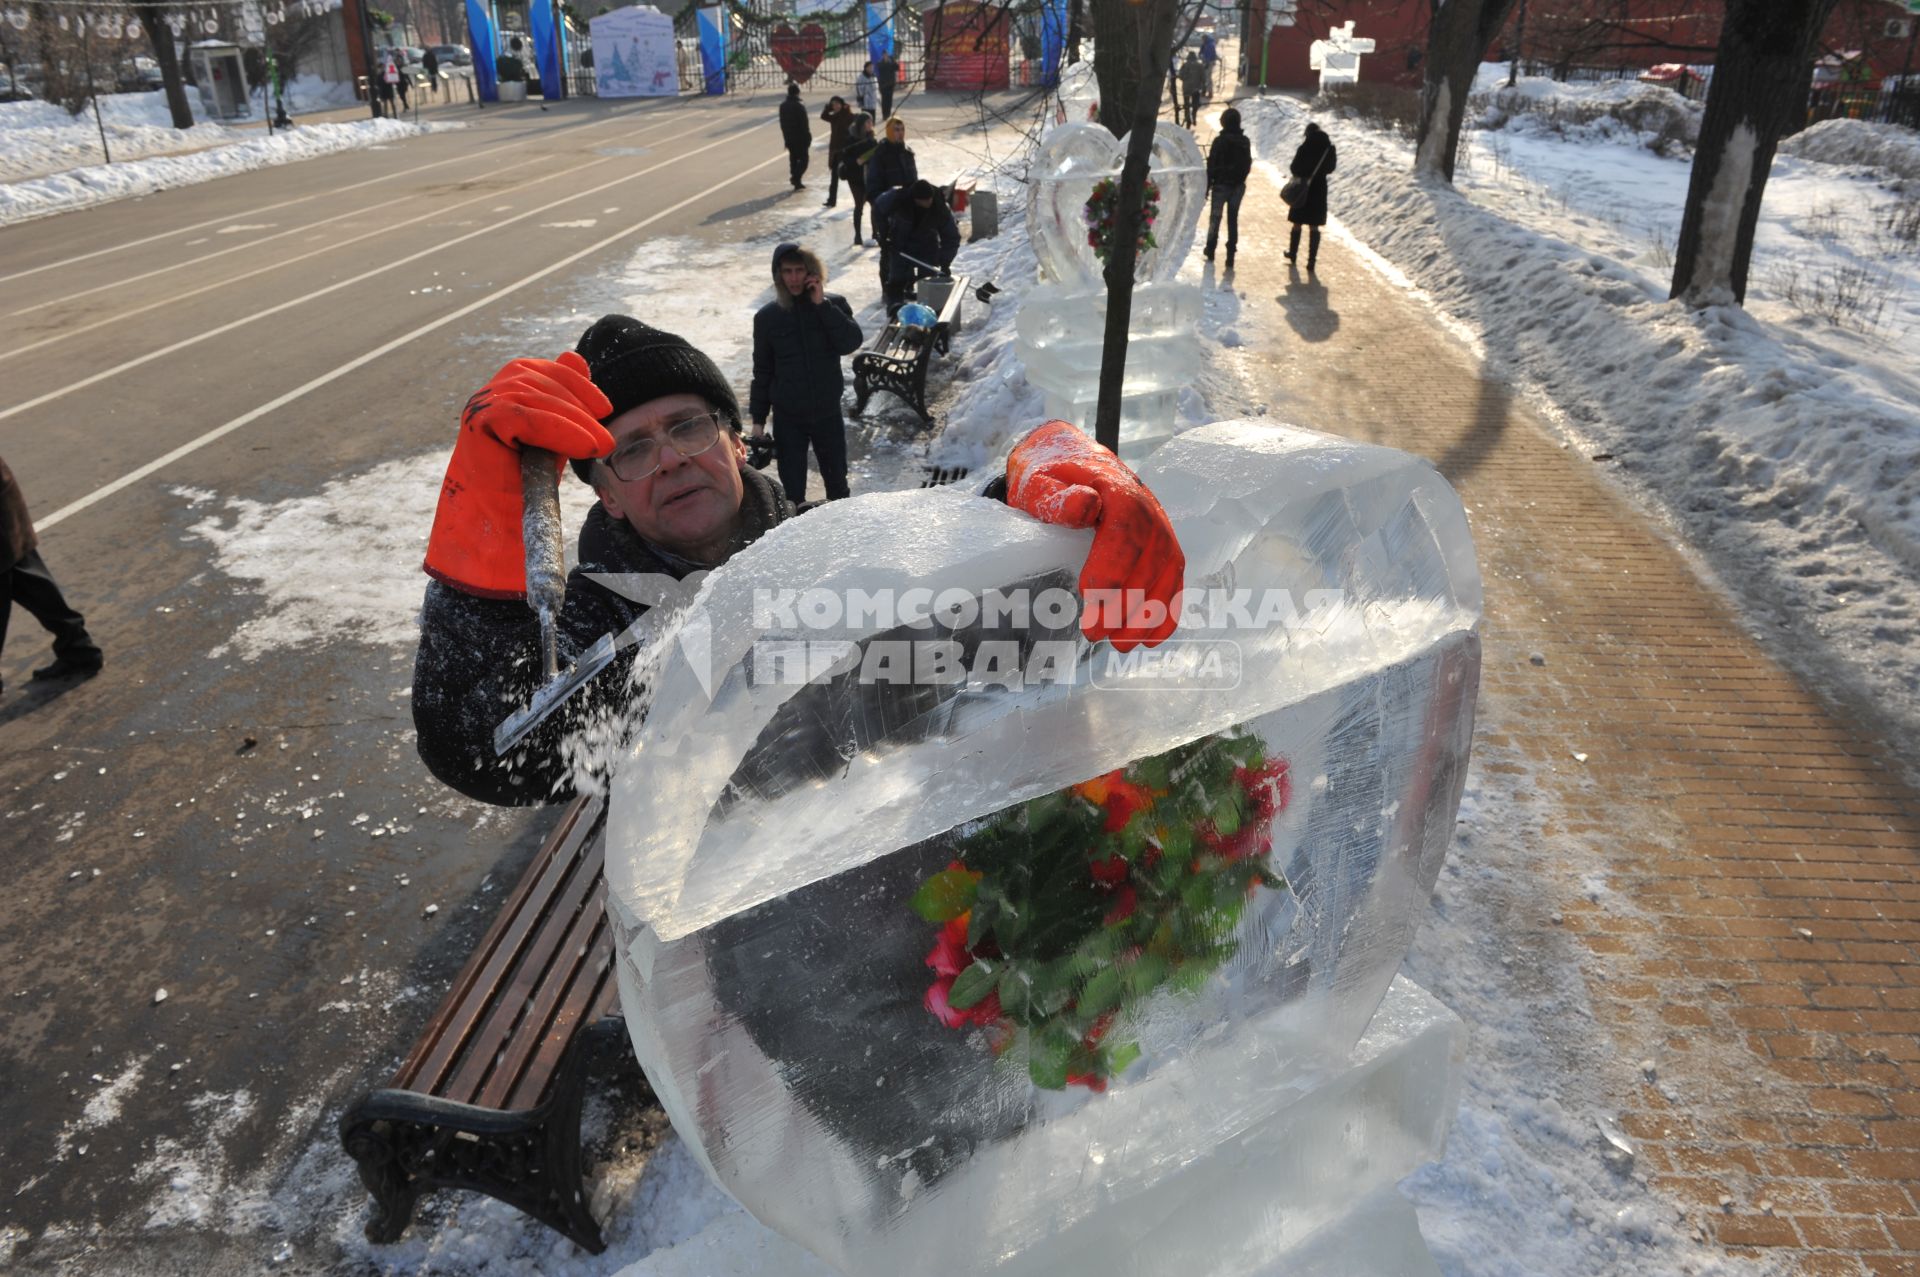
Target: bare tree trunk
(1131, 45)
(1461, 32)
(1758, 90)
(153, 20)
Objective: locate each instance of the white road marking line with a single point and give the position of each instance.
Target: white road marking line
(362, 277)
(171, 298)
(238, 248)
(361, 361)
(268, 208)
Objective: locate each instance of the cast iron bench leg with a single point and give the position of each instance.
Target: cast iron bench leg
(407, 1144)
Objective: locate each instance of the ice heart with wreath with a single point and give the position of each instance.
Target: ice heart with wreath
(799, 53)
(1073, 159)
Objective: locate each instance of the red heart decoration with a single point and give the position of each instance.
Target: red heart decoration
(799, 53)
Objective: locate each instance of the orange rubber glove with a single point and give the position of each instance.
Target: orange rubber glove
(1058, 475)
(476, 545)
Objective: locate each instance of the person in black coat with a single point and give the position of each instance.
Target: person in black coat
(1311, 164)
(890, 168)
(799, 339)
(796, 133)
(24, 579)
(1229, 161)
(920, 227)
(838, 117)
(854, 154)
(887, 72)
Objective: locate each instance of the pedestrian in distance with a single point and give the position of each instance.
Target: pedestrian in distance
(1312, 163)
(890, 168)
(839, 119)
(402, 80)
(431, 64)
(887, 72)
(27, 582)
(1229, 161)
(799, 339)
(796, 134)
(923, 240)
(1209, 59)
(866, 91)
(859, 148)
(653, 425)
(1193, 86)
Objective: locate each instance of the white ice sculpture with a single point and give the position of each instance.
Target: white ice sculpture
(1337, 58)
(1062, 323)
(1252, 1075)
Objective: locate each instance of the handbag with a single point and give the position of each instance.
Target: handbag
(1296, 188)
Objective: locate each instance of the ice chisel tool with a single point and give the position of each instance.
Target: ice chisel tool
(546, 594)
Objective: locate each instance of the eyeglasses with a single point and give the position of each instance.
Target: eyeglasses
(637, 460)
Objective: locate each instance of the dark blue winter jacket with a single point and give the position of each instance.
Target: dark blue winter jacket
(797, 348)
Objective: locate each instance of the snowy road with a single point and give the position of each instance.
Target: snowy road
(233, 811)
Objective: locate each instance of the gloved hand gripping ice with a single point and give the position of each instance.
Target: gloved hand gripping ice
(1131, 582)
(476, 545)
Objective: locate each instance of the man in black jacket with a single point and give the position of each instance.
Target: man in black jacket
(887, 72)
(1229, 161)
(796, 133)
(920, 226)
(799, 339)
(654, 426)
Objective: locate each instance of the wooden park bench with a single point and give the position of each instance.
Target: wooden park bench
(489, 1098)
(898, 359)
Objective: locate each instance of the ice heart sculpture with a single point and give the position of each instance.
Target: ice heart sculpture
(1073, 159)
(799, 53)
(943, 933)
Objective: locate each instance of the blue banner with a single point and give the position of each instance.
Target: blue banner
(713, 48)
(1053, 40)
(546, 47)
(485, 45)
(879, 31)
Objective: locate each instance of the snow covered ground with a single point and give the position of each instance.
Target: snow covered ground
(1783, 439)
(51, 162)
(1528, 1185)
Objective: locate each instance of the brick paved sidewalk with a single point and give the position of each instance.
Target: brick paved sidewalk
(1771, 953)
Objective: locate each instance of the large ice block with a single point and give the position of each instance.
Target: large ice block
(1305, 1189)
(995, 968)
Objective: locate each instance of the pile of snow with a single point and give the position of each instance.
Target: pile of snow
(1789, 449)
(101, 183)
(1599, 111)
(38, 138)
(1892, 147)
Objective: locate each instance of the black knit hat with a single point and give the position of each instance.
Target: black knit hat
(633, 363)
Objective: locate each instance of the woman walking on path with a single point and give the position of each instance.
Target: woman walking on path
(839, 119)
(1311, 164)
(854, 154)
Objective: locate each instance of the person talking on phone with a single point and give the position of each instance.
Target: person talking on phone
(799, 339)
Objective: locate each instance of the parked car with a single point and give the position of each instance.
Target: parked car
(453, 55)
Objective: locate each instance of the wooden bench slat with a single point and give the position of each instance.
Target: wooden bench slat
(556, 1001)
(593, 993)
(512, 999)
(445, 1037)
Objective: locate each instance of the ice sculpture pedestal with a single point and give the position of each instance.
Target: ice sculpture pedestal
(1306, 1190)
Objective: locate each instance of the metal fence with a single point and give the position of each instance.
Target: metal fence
(1888, 103)
(768, 46)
